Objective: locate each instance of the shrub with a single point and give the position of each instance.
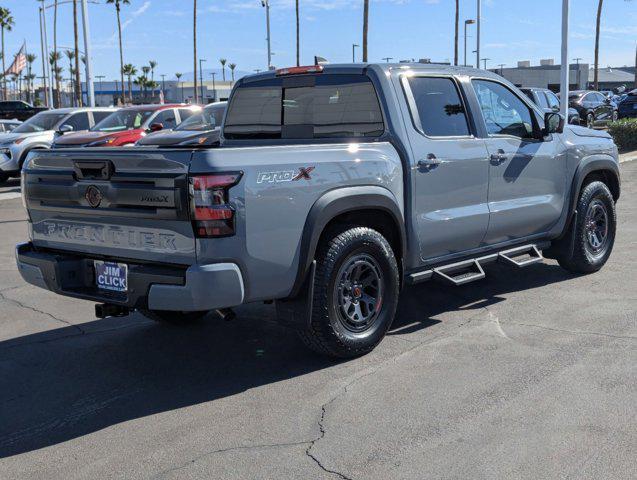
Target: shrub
(624, 133)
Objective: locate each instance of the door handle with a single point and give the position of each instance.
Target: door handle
(430, 162)
(499, 157)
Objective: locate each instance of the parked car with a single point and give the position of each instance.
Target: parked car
(127, 125)
(594, 108)
(549, 102)
(627, 108)
(333, 186)
(18, 110)
(202, 128)
(7, 126)
(39, 131)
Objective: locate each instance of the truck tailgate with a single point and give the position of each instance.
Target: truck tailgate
(120, 203)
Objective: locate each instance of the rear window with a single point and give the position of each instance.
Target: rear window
(305, 107)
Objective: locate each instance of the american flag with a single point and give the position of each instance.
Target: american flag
(19, 62)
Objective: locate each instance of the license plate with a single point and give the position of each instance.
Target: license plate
(111, 276)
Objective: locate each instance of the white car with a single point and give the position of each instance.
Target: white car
(39, 131)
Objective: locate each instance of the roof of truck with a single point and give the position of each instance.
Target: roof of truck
(385, 67)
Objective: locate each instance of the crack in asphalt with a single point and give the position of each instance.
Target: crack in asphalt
(42, 312)
(574, 332)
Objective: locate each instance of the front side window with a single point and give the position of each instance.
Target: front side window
(439, 107)
(98, 116)
(504, 113)
(79, 121)
(541, 100)
(305, 107)
(554, 102)
(166, 118)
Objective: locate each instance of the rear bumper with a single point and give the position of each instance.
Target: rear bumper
(195, 288)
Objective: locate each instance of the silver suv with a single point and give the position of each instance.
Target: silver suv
(39, 131)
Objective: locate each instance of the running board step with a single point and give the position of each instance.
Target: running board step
(521, 257)
(460, 273)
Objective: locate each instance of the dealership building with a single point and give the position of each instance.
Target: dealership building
(581, 76)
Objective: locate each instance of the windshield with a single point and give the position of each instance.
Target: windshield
(40, 122)
(123, 120)
(207, 119)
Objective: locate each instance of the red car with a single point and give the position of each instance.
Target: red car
(127, 125)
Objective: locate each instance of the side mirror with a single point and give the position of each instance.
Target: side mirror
(66, 128)
(553, 123)
(155, 127)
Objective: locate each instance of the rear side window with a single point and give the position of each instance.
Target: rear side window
(305, 107)
(439, 107)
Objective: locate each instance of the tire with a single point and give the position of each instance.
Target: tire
(590, 120)
(356, 289)
(174, 318)
(593, 233)
(3, 177)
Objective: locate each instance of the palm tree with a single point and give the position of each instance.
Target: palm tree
(178, 76)
(55, 49)
(194, 51)
(365, 28)
(455, 45)
(118, 4)
(30, 57)
(600, 7)
(6, 23)
(78, 84)
(153, 65)
(130, 71)
(298, 46)
(145, 71)
(70, 54)
(232, 66)
(223, 61)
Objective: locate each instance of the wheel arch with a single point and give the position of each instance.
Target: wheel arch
(371, 206)
(23, 156)
(604, 168)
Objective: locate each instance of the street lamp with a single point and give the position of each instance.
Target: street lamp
(502, 68)
(354, 45)
(485, 62)
(387, 59)
(214, 87)
(266, 5)
(478, 24)
(466, 23)
(201, 60)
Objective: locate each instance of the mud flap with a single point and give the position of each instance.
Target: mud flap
(296, 312)
(564, 246)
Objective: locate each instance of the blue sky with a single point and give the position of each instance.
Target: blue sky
(235, 29)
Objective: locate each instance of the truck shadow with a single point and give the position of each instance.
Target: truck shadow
(63, 384)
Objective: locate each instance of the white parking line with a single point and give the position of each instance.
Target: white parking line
(9, 195)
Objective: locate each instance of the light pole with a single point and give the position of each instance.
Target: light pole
(354, 45)
(466, 23)
(502, 68)
(565, 67)
(214, 87)
(46, 49)
(90, 88)
(99, 79)
(387, 59)
(201, 60)
(266, 5)
(163, 85)
(485, 62)
(478, 23)
(45, 62)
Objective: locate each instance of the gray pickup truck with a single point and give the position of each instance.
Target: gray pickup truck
(333, 187)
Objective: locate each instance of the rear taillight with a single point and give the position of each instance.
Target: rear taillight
(211, 214)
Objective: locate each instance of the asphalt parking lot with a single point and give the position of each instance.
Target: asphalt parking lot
(530, 374)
